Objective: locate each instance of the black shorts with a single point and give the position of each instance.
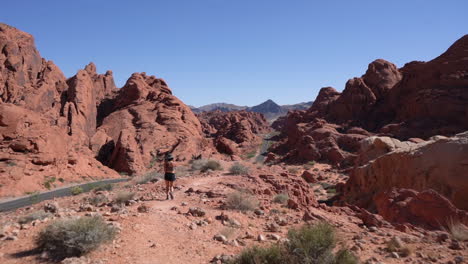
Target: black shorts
(168, 176)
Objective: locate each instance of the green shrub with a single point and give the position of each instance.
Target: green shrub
(345, 256)
(123, 196)
(149, 177)
(311, 243)
(38, 215)
(75, 190)
(306, 245)
(238, 169)
(281, 198)
(74, 237)
(242, 201)
(258, 255)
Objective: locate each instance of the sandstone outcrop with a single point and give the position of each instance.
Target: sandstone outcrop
(419, 100)
(35, 155)
(147, 121)
(233, 131)
(57, 127)
(427, 208)
(439, 164)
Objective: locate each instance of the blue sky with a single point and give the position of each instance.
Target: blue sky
(238, 51)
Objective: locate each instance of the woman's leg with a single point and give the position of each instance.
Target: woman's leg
(172, 189)
(168, 185)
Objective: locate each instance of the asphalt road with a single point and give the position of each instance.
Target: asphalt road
(16, 203)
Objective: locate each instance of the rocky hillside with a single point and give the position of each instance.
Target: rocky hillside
(415, 102)
(53, 130)
(234, 132)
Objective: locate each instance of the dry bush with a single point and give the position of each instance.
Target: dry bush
(148, 177)
(241, 200)
(74, 237)
(238, 169)
(122, 197)
(37, 215)
(281, 198)
(311, 244)
(457, 230)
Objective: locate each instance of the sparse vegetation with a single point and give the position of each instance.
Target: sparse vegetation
(457, 230)
(293, 170)
(238, 169)
(241, 200)
(206, 165)
(228, 232)
(37, 215)
(308, 244)
(148, 177)
(309, 165)
(98, 199)
(49, 182)
(122, 197)
(74, 237)
(281, 198)
(395, 245)
(75, 190)
(250, 155)
(104, 187)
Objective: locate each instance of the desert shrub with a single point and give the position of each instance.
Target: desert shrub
(205, 165)
(211, 165)
(293, 170)
(197, 164)
(104, 187)
(307, 245)
(74, 237)
(250, 154)
(149, 177)
(312, 243)
(37, 215)
(238, 169)
(98, 199)
(75, 190)
(457, 230)
(241, 200)
(258, 255)
(345, 256)
(228, 232)
(281, 198)
(123, 196)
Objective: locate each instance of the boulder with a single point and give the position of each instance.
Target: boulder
(440, 165)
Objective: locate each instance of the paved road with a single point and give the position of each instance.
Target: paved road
(16, 203)
(266, 143)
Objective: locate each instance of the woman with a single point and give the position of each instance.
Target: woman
(169, 176)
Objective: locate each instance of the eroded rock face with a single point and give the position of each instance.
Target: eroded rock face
(147, 121)
(439, 164)
(27, 79)
(427, 208)
(35, 155)
(57, 127)
(420, 100)
(232, 130)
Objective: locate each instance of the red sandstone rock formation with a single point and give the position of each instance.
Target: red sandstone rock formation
(439, 164)
(420, 100)
(55, 128)
(233, 130)
(427, 208)
(147, 120)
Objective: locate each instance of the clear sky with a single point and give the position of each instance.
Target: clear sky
(238, 51)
